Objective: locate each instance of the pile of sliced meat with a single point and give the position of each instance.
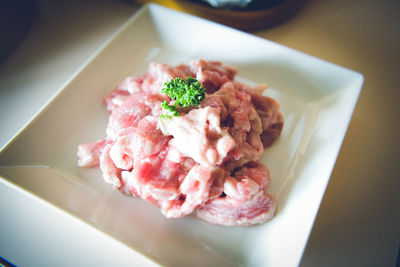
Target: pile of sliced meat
(206, 160)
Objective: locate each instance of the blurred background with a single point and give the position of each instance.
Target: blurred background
(44, 42)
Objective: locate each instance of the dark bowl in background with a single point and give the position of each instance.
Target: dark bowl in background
(259, 15)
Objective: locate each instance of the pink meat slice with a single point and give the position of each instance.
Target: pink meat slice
(132, 110)
(212, 74)
(89, 154)
(159, 73)
(198, 135)
(115, 99)
(168, 184)
(143, 148)
(122, 149)
(138, 143)
(244, 201)
(238, 113)
(232, 212)
(131, 84)
(256, 171)
(111, 173)
(149, 139)
(177, 188)
(271, 119)
(155, 178)
(194, 190)
(127, 87)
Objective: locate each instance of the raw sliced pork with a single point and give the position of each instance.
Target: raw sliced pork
(205, 161)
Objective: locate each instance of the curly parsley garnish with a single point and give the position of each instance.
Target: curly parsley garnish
(186, 93)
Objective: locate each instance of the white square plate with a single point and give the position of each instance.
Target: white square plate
(317, 100)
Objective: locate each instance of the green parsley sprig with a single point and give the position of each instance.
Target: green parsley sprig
(186, 93)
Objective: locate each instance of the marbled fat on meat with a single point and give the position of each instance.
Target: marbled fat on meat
(198, 135)
(205, 161)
